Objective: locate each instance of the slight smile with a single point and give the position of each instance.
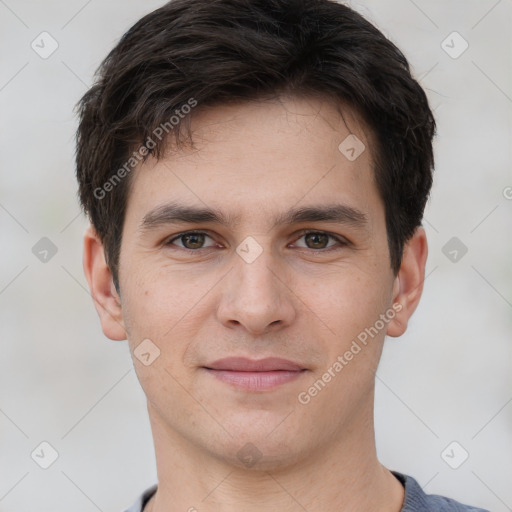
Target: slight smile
(255, 375)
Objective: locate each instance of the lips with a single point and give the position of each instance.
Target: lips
(255, 375)
(241, 364)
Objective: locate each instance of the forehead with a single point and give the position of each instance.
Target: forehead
(263, 157)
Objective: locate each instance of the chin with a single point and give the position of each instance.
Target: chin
(261, 456)
(259, 449)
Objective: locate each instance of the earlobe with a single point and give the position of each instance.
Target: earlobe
(408, 284)
(105, 297)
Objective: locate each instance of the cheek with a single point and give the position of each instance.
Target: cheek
(150, 308)
(169, 310)
(346, 301)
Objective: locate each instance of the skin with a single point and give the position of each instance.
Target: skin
(297, 300)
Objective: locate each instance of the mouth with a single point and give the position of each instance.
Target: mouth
(255, 375)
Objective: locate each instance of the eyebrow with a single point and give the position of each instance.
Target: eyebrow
(174, 213)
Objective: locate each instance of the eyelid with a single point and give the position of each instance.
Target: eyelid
(342, 241)
(168, 241)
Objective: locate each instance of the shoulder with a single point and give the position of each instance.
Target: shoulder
(140, 502)
(417, 501)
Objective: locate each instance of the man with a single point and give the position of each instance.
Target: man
(255, 173)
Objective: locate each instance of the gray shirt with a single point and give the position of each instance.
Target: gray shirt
(415, 499)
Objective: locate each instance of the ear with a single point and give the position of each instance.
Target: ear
(101, 284)
(408, 284)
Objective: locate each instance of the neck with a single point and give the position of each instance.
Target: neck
(342, 477)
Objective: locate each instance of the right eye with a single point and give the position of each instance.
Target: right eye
(193, 239)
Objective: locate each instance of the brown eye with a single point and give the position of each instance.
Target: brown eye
(317, 240)
(191, 240)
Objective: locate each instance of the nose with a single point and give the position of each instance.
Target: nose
(256, 296)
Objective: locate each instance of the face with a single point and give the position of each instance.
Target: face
(260, 319)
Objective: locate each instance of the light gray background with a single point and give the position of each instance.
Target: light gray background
(61, 381)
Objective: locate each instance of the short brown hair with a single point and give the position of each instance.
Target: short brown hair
(218, 51)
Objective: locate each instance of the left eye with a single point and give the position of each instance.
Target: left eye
(194, 240)
(319, 238)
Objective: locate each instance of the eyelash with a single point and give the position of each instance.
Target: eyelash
(341, 241)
